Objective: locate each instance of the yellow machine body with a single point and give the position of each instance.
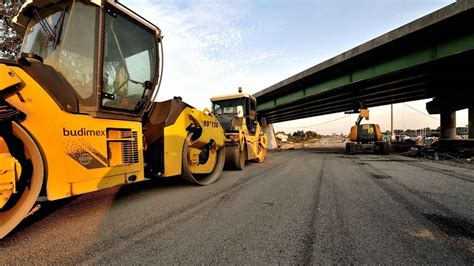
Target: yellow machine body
(365, 133)
(366, 136)
(249, 141)
(86, 154)
(245, 139)
(82, 153)
(175, 135)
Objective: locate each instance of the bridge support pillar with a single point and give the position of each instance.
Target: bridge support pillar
(470, 126)
(448, 124)
(272, 143)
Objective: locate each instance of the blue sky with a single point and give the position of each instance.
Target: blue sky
(213, 47)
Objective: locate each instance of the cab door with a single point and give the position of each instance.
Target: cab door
(252, 116)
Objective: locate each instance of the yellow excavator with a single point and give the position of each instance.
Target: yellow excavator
(244, 137)
(366, 136)
(77, 112)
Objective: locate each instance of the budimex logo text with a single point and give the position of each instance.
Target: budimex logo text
(83, 132)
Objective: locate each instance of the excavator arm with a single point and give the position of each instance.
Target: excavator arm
(363, 113)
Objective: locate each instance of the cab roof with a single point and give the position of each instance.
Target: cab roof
(21, 20)
(232, 96)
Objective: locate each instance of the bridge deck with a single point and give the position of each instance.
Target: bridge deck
(428, 57)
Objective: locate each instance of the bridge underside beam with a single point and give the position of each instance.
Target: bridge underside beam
(443, 77)
(340, 108)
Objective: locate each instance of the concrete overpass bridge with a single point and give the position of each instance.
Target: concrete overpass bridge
(431, 57)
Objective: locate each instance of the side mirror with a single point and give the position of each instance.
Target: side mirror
(240, 111)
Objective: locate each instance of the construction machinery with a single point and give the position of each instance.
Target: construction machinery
(366, 136)
(77, 112)
(244, 138)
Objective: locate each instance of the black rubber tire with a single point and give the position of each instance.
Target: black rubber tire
(350, 148)
(385, 148)
(201, 179)
(242, 157)
(234, 158)
(378, 148)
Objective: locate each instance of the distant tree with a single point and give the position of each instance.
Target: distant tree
(311, 134)
(299, 134)
(10, 41)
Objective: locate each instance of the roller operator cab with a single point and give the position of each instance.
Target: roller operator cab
(244, 137)
(76, 109)
(366, 136)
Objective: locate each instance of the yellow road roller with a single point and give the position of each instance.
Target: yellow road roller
(244, 137)
(77, 112)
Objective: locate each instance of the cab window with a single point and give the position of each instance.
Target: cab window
(65, 36)
(217, 109)
(253, 110)
(253, 106)
(229, 107)
(129, 64)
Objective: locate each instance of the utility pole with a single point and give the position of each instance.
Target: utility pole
(391, 123)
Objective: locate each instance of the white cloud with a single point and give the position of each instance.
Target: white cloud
(211, 49)
(206, 48)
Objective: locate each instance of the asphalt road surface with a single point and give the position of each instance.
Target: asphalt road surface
(304, 206)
